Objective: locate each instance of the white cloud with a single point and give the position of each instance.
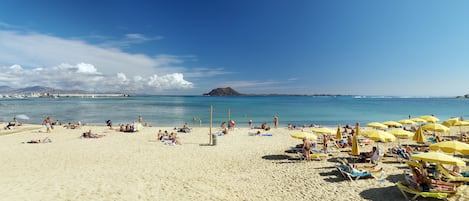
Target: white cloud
(36, 59)
(86, 68)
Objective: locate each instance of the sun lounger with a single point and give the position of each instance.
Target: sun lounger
(405, 189)
(449, 177)
(351, 174)
(319, 156)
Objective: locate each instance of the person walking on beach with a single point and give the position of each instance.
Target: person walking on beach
(250, 123)
(48, 123)
(275, 121)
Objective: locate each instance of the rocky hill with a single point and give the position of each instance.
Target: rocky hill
(228, 91)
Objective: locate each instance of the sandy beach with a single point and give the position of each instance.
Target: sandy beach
(136, 166)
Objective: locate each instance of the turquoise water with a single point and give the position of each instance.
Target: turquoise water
(175, 110)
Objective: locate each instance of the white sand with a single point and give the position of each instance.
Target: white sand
(135, 166)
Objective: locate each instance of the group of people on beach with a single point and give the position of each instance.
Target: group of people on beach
(168, 138)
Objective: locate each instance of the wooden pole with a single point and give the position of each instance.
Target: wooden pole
(210, 130)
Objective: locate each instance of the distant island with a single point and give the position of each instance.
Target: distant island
(465, 96)
(228, 91)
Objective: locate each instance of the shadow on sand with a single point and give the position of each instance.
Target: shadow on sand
(277, 157)
(382, 194)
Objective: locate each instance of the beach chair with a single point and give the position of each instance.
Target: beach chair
(405, 189)
(449, 177)
(351, 174)
(318, 156)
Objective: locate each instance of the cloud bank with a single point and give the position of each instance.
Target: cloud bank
(28, 59)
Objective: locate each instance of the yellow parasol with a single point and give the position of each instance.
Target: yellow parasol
(379, 135)
(338, 135)
(451, 147)
(406, 121)
(323, 130)
(435, 127)
(302, 135)
(430, 118)
(450, 122)
(438, 157)
(417, 120)
(376, 125)
(419, 137)
(461, 123)
(392, 123)
(355, 149)
(400, 133)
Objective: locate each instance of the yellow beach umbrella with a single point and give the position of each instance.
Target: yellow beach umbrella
(323, 130)
(406, 121)
(355, 148)
(302, 135)
(418, 120)
(451, 147)
(376, 125)
(392, 123)
(419, 137)
(338, 135)
(400, 133)
(379, 135)
(450, 122)
(430, 118)
(461, 123)
(438, 157)
(435, 127)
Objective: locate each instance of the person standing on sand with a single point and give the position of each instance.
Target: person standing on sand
(48, 123)
(140, 119)
(275, 121)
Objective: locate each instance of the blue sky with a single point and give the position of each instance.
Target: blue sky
(407, 48)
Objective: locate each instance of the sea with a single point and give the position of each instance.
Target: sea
(174, 111)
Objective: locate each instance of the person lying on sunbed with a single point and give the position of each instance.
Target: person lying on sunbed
(45, 140)
(427, 184)
(362, 168)
(341, 144)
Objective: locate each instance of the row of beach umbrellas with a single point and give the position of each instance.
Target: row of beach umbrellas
(390, 135)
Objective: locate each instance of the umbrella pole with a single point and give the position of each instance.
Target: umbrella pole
(210, 130)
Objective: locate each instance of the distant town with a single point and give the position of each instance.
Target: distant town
(47, 92)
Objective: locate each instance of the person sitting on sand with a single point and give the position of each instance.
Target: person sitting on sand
(72, 126)
(185, 129)
(231, 124)
(45, 140)
(12, 124)
(109, 123)
(174, 139)
(161, 134)
(265, 126)
(224, 129)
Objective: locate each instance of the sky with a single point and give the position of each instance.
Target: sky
(187, 47)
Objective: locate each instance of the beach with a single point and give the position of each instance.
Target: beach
(137, 166)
